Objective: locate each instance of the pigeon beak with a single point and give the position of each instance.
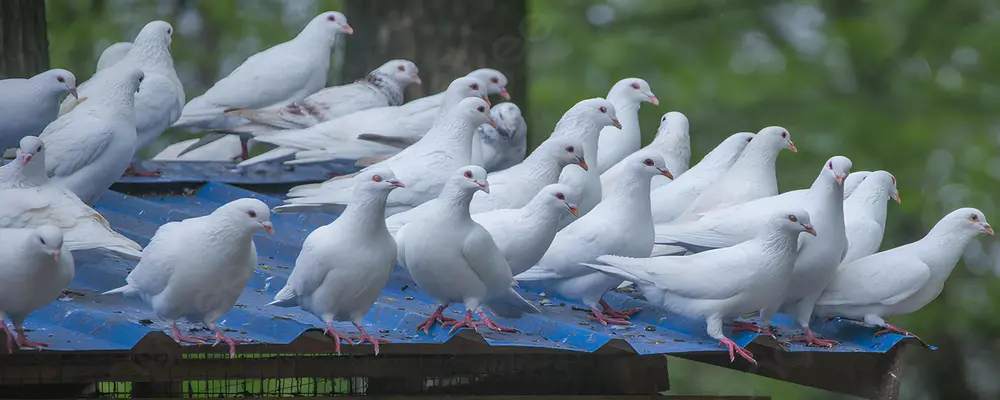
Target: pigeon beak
(895, 196)
(614, 121)
(572, 210)
(25, 158)
(416, 80)
(583, 164)
(485, 186)
(791, 146)
(666, 173)
(57, 255)
(988, 228)
(72, 92)
(348, 30)
(653, 99)
(503, 92)
(809, 229)
(268, 226)
(487, 101)
(840, 179)
(396, 183)
(492, 123)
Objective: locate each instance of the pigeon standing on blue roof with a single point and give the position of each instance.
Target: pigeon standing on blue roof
(499, 147)
(197, 268)
(672, 142)
(28, 105)
(343, 266)
(627, 95)
(35, 267)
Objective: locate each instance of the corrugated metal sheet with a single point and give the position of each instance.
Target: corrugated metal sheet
(92, 322)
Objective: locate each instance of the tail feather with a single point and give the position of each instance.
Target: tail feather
(266, 117)
(293, 208)
(667, 250)
(124, 290)
(286, 297)
(277, 154)
(616, 272)
(511, 305)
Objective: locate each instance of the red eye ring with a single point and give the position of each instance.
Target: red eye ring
(560, 196)
(474, 86)
(604, 109)
(784, 134)
(61, 79)
(974, 217)
(570, 149)
(648, 162)
(494, 80)
(331, 18)
(252, 214)
(468, 174)
(376, 178)
(401, 68)
(635, 86)
(792, 218)
(830, 165)
(481, 109)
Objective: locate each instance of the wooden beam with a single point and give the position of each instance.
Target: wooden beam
(24, 44)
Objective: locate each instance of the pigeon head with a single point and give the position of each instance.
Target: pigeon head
(879, 182)
(379, 179)
(508, 118)
(250, 214)
(565, 150)
(328, 25)
(156, 33)
(48, 240)
(496, 82)
(853, 180)
(404, 72)
(634, 91)
(837, 168)
(31, 148)
(113, 54)
(473, 110)
(598, 110)
(471, 178)
(466, 87)
(965, 222)
(562, 197)
(647, 163)
(778, 136)
(793, 219)
(56, 82)
(675, 122)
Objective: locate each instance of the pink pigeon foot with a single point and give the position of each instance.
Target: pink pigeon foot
(365, 337)
(222, 338)
(892, 329)
(23, 341)
(136, 171)
(466, 322)
(437, 316)
(739, 326)
(611, 312)
(244, 151)
(604, 320)
(812, 340)
(329, 331)
(178, 336)
(735, 349)
(10, 337)
(493, 325)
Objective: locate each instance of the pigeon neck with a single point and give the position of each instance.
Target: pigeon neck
(454, 134)
(779, 240)
(585, 131)
(541, 208)
(15, 175)
(758, 153)
(676, 143)
(719, 158)
(632, 192)
(391, 89)
(541, 165)
(627, 112)
(944, 245)
(623, 104)
(146, 53)
(43, 91)
(459, 199)
(868, 202)
(314, 34)
(448, 100)
(366, 210)
(33, 173)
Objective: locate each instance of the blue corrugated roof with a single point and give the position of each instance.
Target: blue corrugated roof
(94, 322)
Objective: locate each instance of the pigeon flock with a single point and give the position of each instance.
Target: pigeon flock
(449, 195)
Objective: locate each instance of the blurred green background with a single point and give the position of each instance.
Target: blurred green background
(906, 86)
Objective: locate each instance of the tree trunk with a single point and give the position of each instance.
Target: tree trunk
(24, 46)
(445, 38)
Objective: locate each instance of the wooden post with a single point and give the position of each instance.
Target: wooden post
(24, 45)
(445, 38)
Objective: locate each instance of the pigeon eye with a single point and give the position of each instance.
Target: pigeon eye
(604, 109)
(749, 139)
(41, 240)
(570, 149)
(648, 162)
(61, 79)
(468, 174)
(39, 149)
(784, 134)
(973, 218)
(331, 18)
(560, 196)
(474, 86)
(401, 68)
(376, 178)
(635, 85)
(494, 80)
(893, 179)
(252, 214)
(170, 31)
(481, 109)
(792, 218)
(830, 165)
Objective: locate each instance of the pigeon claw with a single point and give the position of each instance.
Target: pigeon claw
(735, 349)
(23, 341)
(604, 320)
(611, 312)
(892, 329)
(222, 338)
(365, 337)
(811, 340)
(493, 325)
(136, 171)
(739, 326)
(329, 331)
(178, 336)
(10, 337)
(437, 316)
(466, 322)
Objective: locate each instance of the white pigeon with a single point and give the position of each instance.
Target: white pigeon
(729, 226)
(225, 149)
(89, 148)
(381, 131)
(160, 98)
(454, 259)
(627, 95)
(382, 87)
(669, 201)
(818, 256)
(671, 141)
(501, 147)
(197, 268)
(524, 234)
(113, 54)
(35, 267)
(273, 78)
(516, 186)
(584, 122)
(864, 214)
(852, 182)
(904, 279)
(28, 105)
(723, 284)
(343, 266)
(29, 200)
(619, 225)
(751, 176)
(496, 83)
(424, 166)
